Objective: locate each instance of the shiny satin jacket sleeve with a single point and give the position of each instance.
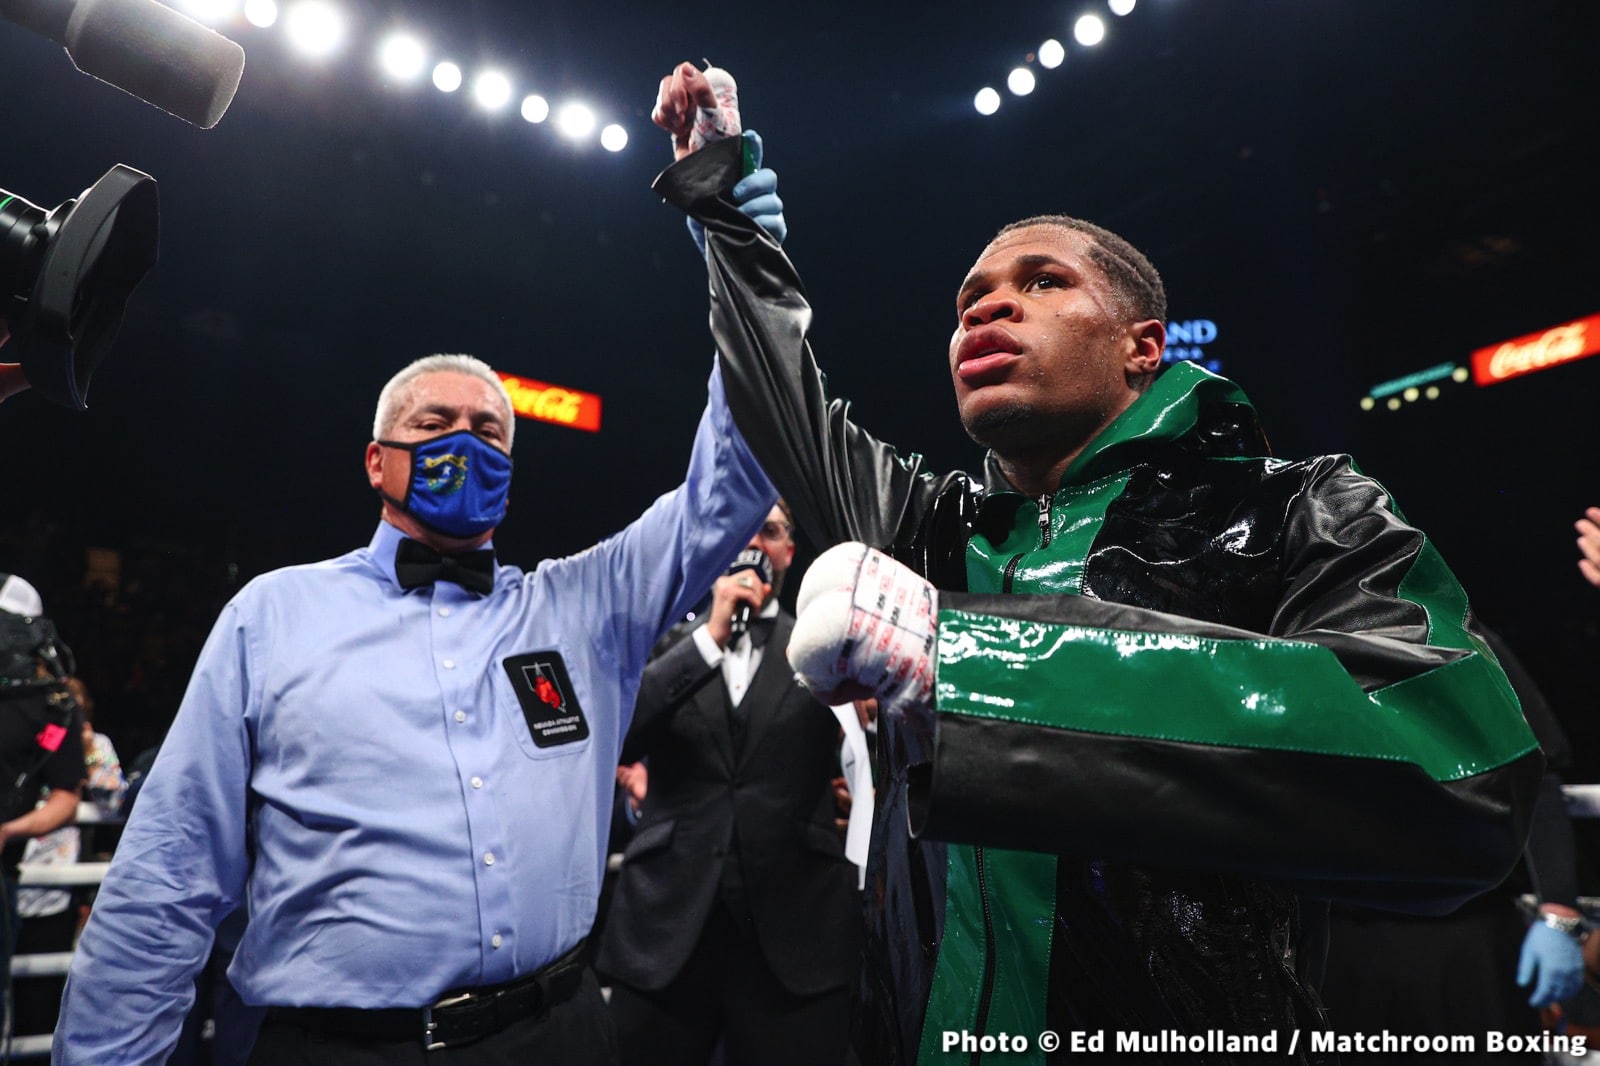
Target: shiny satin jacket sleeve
(1366, 748)
(842, 483)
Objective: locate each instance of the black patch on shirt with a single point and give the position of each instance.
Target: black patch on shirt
(539, 678)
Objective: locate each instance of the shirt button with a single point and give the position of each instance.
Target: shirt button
(496, 940)
(477, 782)
(449, 664)
(444, 612)
(461, 716)
(488, 858)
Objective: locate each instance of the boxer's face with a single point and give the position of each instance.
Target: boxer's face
(1041, 354)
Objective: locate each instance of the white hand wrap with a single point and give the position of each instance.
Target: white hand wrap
(861, 616)
(716, 123)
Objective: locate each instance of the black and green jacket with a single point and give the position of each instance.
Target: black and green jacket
(1182, 702)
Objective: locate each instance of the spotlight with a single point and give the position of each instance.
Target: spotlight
(1051, 53)
(987, 101)
(315, 28)
(1432, 392)
(261, 13)
(1411, 394)
(575, 121)
(1460, 374)
(402, 57)
(66, 275)
(1368, 403)
(492, 90)
(1020, 81)
(1121, 7)
(1089, 30)
(613, 138)
(447, 77)
(1392, 403)
(535, 108)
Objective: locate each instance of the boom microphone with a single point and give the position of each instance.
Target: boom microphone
(752, 561)
(144, 48)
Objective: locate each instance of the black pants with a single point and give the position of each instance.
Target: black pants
(727, 990)
(578, 1032)
(1452, 975)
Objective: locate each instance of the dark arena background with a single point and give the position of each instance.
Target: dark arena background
(1339, 195)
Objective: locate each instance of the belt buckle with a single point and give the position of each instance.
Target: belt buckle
(429, 1026)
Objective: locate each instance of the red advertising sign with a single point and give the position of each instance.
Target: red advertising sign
(552, 403)
(1536, 351)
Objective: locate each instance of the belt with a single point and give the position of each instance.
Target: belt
(455, 1018)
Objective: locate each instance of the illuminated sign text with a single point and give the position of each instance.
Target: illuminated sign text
(1536, 351)
(552, 403)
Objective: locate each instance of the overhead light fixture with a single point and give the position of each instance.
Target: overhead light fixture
(492, 90)
(315, 28)
(535, 108)
(402, 57)
(447, 77)
(261, 14)
(575, 121)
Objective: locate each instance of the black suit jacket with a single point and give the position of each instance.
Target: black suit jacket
(773, 790)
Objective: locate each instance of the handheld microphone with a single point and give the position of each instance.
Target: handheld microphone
(143, 48)
(754, 562)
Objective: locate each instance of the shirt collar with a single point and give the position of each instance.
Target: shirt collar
(384, 542)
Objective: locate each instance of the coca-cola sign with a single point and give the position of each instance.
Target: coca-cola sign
(1536, 351)
(552, 403)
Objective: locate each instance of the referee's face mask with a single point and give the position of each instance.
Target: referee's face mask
(459, 483)
(444, 460)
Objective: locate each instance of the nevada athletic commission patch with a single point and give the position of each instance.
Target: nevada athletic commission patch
(549, 703)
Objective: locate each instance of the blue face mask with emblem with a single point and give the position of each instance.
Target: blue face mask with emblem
(459, 483)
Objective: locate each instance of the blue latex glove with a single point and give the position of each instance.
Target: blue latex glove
(756, 195)
(1552, 962)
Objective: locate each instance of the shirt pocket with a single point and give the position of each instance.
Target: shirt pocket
(548, 713)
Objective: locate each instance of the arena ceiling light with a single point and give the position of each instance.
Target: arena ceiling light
(1051, 54)
(1121, 7)
(491, 90)
(402, 57)
(315, 28)
(447, 77)
(535, 108)
(321, 28)
(1021, 81)
(575, 120)
(987, 101)
(1089, 30)
(262, 14)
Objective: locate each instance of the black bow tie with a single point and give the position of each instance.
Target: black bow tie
(417, 564)
(761, 631)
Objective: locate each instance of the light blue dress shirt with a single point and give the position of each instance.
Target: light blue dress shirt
(351, 760)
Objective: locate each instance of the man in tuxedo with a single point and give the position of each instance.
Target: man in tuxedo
(736, 915)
